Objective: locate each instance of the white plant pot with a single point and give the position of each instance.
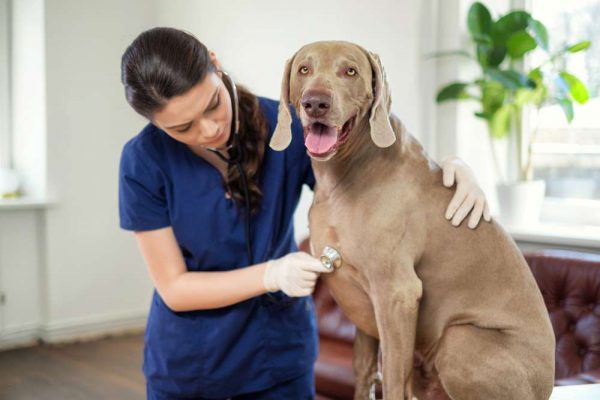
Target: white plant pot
(9, 182)
(520, 203)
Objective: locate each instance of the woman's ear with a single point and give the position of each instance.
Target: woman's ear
(213, 58)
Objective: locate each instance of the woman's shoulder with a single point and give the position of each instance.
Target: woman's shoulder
(148, 143)
(146, 153)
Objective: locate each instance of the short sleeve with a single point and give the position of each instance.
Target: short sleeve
(142, 198)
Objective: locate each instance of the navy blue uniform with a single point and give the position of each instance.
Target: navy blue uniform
(246, 347)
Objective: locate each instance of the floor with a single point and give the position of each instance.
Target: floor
(104, 369)
(96, 370)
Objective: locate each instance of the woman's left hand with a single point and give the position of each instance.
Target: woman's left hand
(468, 197)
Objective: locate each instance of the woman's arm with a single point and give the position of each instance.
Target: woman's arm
(468, 196)
(181, 290)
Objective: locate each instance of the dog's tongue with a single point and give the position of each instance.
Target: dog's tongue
(320, 138)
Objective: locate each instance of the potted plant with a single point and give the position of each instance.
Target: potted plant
(506, 87)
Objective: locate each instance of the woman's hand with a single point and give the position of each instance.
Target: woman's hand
(295, 274)
(468, 197)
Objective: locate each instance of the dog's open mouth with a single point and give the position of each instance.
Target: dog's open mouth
(322, 140)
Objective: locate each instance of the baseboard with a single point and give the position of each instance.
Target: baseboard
(22, 336)
(74, 330)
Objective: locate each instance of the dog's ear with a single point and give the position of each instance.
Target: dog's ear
(382, 132)
(283, 132)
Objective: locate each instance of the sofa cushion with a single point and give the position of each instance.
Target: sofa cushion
(570, 284)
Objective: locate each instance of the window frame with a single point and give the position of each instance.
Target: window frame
(558, 210)
(6, 160)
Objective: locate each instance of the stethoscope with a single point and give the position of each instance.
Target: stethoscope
(236, 156)
(330, 258)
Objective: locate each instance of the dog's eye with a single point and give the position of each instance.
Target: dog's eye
(350, 72)
(303, 70)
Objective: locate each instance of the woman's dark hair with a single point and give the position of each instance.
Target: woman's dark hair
(164, 62)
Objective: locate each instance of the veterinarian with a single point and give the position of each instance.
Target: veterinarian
(232, 315)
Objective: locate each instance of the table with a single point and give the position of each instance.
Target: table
(576, 392)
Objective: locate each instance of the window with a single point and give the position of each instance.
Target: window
(5, 142)
(567, 156)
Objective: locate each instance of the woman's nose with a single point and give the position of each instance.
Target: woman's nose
(208, 128)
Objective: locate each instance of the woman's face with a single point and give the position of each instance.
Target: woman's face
(199, 118)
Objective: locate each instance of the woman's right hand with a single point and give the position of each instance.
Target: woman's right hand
(295, 274)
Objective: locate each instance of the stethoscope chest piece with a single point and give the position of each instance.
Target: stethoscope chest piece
(331, 258)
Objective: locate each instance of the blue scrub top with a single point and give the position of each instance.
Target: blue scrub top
(245, 347)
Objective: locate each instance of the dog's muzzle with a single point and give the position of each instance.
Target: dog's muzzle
(330, 258)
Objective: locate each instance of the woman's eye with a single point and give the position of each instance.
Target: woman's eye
(215, 104)
(187, 128)
(350, 72)
(303, 70)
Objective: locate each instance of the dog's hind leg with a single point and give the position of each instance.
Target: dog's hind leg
(475, 363)
(364, 360)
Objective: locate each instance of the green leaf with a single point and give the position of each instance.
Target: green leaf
(536, 75)
(577, 89)
(483, 55)
(520, 43)
(479, 19)
(493, 94)
(540, 94)
(500, 123)
(540, 32)
(567, 106)
(509, 24)
(524, 96)
(481, 38)
(496, 56)
(483, 115)
(510, 79)
(579, 46)
(453, 91)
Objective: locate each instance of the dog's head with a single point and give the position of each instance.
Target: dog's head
(333, 87)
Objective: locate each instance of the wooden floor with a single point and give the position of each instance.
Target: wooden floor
(105, 369)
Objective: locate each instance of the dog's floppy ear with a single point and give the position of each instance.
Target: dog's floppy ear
(382, 133)
(283, 132)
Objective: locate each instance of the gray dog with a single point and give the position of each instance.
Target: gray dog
(466, 300)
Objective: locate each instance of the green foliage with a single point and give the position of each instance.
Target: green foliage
(503, 89)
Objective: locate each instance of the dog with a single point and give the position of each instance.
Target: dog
(464, 299)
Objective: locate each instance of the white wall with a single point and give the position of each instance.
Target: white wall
(94, 270)
(69, 270)
(254, 38)
(27, 95)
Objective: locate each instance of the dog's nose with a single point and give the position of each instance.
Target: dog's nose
(316, 104)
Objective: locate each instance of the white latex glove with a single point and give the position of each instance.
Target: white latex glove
(295, 274)
(468, 196)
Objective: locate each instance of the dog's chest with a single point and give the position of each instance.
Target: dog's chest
(330, 226)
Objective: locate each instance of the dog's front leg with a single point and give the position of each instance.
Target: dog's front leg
(396, 295)
(364, 360)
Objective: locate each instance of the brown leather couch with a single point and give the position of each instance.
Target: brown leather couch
(570, 284)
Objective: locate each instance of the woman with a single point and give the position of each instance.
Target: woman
(231, 316)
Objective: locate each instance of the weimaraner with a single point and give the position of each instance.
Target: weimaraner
(410, 281)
